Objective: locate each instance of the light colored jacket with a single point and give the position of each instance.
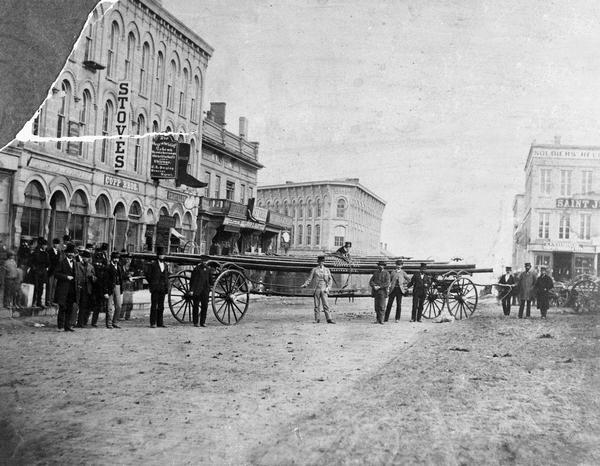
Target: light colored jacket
(399, 278)
(322, 278)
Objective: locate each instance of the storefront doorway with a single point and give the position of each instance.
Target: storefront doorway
(563, 263)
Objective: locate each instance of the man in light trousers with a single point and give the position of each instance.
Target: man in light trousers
(322, 279)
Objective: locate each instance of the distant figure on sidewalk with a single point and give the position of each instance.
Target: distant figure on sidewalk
(200, 289)
(379, 283)
(158, 282)
(39, 268)
(345, 249)
(526, 290)
(53, 258)
(66, 292)
(86, 279)
(506, 292)
(398, 281)
(542, 286)
(322, 279)
(12, 287)
(419, 282)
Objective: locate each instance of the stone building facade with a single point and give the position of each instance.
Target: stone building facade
(557, 218)
(326, 214)
(135, 70)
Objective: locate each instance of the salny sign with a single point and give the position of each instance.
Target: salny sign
(565, 203)
(122, 120)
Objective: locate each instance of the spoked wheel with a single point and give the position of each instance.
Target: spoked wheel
(180, 298)
(434, 302)
(461, 298)
(230, 297)
(584, 295)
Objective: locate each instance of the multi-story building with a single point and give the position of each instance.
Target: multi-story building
(557, 219)
(135, 70)
(229, 218)
(326, 214)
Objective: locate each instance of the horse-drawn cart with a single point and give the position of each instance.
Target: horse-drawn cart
(235, 278)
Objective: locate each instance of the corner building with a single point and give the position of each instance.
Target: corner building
(557, 218)
(61, 187)
(325, 214)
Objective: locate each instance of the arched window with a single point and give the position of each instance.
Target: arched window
(195, 99)
(84, 120)
(137, 157)
(78, 222)
(293, 210)
(33, 210)
(309, 209)
(171, 84)
(120, 215)
(59, 215)
(299, 235)
(317, 235)
(183, 93)
(113, 43)
(89, 39)
(276, 206)
(300, 209)
(144, 65)
(188, 227)
(98, 230)
(135, 223)
(341, 208)
(107, 122)
(318, 208)
(155, 127)
(160, 69)
(308, 234)
(285, 208)
(130, 55)
(63, 112)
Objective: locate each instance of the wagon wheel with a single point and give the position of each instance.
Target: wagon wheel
(230, 297)
(461, 297)
(180, 298)
(434, 301)
(583, 295)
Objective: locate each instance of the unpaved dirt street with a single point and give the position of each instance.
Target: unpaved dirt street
(278, 389)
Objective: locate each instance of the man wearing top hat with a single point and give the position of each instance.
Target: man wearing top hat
(66, 292)
(506, 291)
(526, 290)
(158, 282)
(379, 283)
(398, 281)
(322, 279)
(85, 282)
(200, 290)
(54, 256)
(39, 267)
(419, 282)
(542, 286)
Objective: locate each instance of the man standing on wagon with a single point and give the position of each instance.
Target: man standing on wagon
(322, 279)
(379, 283)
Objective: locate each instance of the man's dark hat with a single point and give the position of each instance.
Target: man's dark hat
(348, 243)
(42, 240)
(384, 263)
(89, 246)
(115, 254)
(508, 268)
(160, 250)
(104, 246)
(320, 258)
(204, 257)
(528, 263)
(86, 254)
(66, 238)
(55, 241)
(70, 249)
(399, 262)
(423, 265)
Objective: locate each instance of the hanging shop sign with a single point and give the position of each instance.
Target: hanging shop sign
(163, 160)
(123, 106)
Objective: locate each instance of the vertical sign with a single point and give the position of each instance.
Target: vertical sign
(123, 96)
(163, 160)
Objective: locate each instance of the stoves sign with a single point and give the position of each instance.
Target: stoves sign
(123, 106)
(163, 161)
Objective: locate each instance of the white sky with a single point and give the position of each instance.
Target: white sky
(432, 104)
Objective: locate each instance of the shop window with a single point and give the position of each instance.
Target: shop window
(542, 260)
(584, 265)
(31, 220)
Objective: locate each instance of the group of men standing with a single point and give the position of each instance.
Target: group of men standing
(528, 286)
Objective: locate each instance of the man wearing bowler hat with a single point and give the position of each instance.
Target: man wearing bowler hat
(506, 291)
(200, 290)
(379, 283)
(526, 289)
(322, 279)
(158, 282)
(398, 280)
(419, 282)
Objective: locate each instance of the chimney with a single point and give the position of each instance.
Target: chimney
(217, 110)
(557, 140)
(243, 127)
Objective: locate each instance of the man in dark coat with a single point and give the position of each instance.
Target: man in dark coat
(117, 277)
(200, 289)
(379, 283)
(85, 282)
(53, 258)
(398, 280)
(158, 282)
(542, 286)
(506, 292)
(345, 249)
(101, 289)
(526, 291)
(39, 267)
(419, 282)
(65, 288)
